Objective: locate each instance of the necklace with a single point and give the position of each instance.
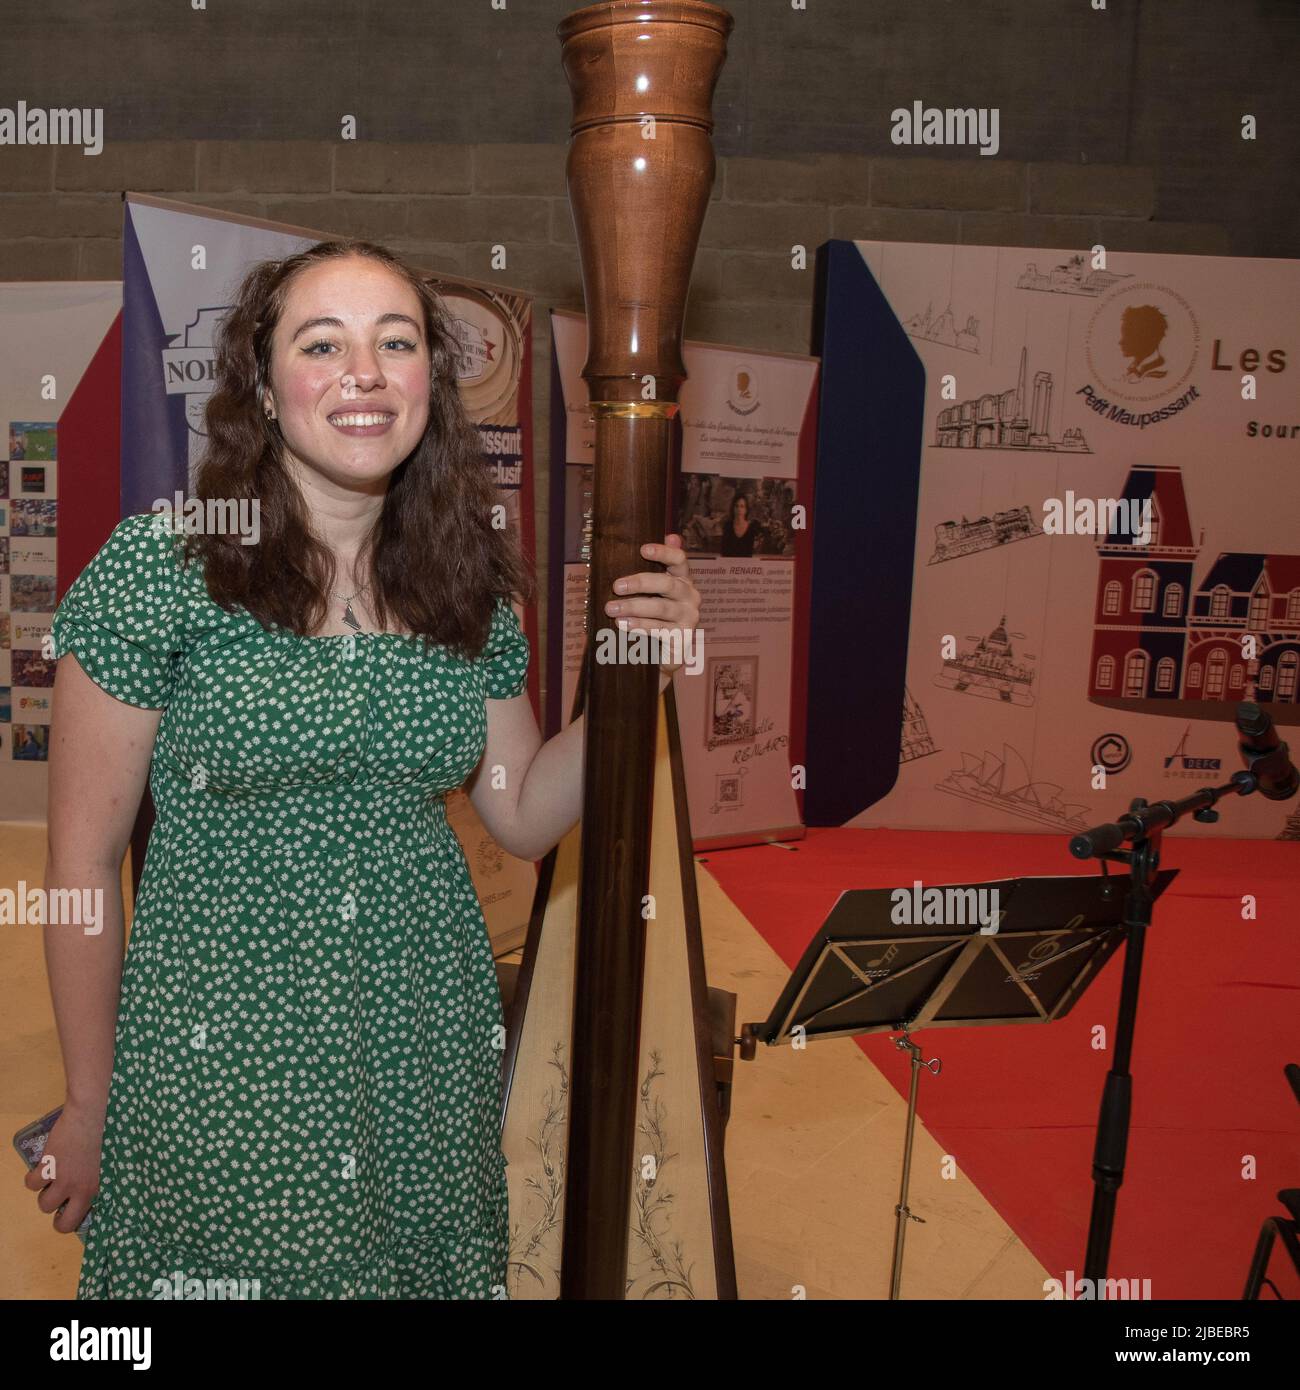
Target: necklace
(349, 616)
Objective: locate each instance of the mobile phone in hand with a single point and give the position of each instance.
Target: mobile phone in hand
(30, 1142)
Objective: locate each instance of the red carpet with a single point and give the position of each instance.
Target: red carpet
(1218, 1019)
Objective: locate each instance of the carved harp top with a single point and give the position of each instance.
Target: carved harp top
(640, 170)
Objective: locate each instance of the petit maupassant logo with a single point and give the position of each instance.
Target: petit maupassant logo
(1143, 342)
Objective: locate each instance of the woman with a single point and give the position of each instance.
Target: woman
(306, 1085)
(739, 532)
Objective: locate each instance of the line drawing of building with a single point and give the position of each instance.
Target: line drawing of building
(1005, 784)
(989, 669)
(944, 329)
(1070, 277)
(954, 539)
(916, 741)
(1000, 421)
(1166, 644)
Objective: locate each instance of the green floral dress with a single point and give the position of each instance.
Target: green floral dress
(306, 1084)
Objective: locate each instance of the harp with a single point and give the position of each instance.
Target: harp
(611, 1125)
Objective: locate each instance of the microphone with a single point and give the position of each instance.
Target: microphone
(1266, 757)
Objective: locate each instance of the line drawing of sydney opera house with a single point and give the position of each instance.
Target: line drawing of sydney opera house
(1005, 784)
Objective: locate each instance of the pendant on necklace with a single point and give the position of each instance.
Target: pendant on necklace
(350, 618)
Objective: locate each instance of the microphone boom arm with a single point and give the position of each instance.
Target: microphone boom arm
(1268, 771)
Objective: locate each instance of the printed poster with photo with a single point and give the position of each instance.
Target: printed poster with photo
(746, 432)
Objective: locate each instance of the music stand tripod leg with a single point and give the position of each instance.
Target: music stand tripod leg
(901, 1213)
(1259, 1262)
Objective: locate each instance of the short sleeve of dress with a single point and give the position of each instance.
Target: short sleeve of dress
(505, 655)
(122, 617)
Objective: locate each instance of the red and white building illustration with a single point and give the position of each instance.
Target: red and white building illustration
(1160, 638)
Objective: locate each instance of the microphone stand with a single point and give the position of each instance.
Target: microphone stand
(1142, 828)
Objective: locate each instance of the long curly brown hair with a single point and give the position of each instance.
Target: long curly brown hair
(435, 560)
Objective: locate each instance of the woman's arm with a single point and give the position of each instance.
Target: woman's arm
(527, 793)
(98, 763)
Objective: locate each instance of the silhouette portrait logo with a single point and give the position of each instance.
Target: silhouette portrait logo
(1143, 342)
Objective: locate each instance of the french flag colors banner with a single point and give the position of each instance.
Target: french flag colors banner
(1105, 558)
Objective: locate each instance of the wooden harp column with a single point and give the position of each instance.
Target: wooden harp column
(640, 171)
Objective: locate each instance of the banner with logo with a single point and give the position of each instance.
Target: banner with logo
(745, 444)
(182, 265)
(57, 347)
(1106, 553)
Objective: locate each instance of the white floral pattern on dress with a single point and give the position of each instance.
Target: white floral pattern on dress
(306, 1083)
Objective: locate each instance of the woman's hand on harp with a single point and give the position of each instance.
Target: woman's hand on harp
(664, 602)
(539, 798)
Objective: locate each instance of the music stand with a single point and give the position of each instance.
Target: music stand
(863, 972)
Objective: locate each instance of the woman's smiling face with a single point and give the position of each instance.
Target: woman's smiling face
(350, 371)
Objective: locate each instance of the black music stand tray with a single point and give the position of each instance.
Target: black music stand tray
(863, 973)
